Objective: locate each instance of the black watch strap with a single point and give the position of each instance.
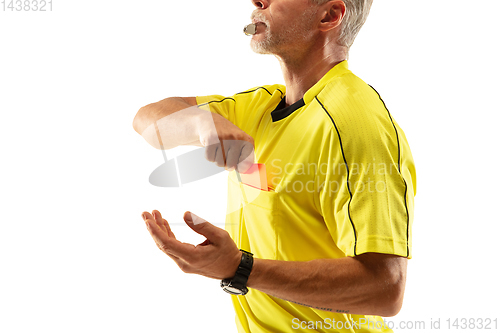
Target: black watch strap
(238, 284)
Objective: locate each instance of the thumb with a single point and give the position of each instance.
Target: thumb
(201, 226)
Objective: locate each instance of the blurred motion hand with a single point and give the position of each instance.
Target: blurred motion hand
(225, 143)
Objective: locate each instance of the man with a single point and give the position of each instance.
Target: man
(332, 234)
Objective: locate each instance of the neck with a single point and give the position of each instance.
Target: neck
(303, 70)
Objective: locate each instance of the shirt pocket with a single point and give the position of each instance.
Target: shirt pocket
(255, 226)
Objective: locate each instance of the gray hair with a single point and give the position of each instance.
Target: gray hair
(355, 16)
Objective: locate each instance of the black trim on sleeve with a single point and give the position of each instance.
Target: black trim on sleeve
(399, 169)
(222, 100)
(393, 125)
(282, 111)
(241, 93)
(251, 91)
(347, 168)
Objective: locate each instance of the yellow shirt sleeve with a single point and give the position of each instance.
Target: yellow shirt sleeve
(244, 109)
(367, 198)
(224, 106)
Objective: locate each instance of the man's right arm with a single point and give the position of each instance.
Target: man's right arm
(151, 113)
(178, 121)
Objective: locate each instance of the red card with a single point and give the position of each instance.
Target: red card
(255, 177)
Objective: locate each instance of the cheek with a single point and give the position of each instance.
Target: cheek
(280, 15)
(285, 15)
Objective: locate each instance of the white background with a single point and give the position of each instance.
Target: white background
(74, 253)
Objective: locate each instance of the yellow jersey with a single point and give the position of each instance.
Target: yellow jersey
(341, 183)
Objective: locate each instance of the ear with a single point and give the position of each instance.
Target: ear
(333, 14)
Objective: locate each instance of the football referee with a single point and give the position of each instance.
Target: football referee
(329, 238)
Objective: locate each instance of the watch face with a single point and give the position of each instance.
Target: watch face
(233, 290)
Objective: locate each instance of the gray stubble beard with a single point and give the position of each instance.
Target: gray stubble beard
(276, 43)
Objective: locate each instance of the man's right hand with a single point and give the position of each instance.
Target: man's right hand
(225, 143)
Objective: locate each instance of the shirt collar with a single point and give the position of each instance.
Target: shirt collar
(282, 111)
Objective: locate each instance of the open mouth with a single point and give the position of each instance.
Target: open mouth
(257, 23)
(260, 26)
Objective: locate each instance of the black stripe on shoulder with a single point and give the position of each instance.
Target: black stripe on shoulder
(393, 125)
(282, 93)
(251, 91)
(244, 92)
(222, 100)
(399, 169)
(347, 168)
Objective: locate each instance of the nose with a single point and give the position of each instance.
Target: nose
(261, 4)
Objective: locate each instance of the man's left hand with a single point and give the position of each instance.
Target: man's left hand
(217, 257)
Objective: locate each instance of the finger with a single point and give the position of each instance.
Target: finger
(159, 220)
(147, 216)
(227, 145)
(224, 148)
(220, 158)
(163, 223)
(233, 154)
(246, 158)
(167, 226)
(159, 243)
(232, 159)
(156, 214)
(152, 224)
(202, 227)
(210, 152)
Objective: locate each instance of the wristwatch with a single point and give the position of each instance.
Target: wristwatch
(238, 284)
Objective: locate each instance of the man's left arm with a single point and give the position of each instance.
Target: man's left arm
(367, 284)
